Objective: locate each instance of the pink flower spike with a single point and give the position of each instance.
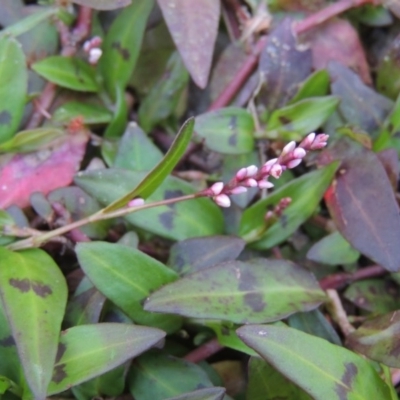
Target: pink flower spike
(239, 190)
(251, 171)
(222, 200)
(241, 174)
(216, 188)
(288, 148)
(250, 182)
(294, 163)
(308, 141)
(276, 171)
(299, 153)
(267, 166)
(136, 202)
(265, 185)
(320, 141)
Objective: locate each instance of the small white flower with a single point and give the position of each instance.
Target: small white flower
(94, 55)
(276, 171)
(222, 200)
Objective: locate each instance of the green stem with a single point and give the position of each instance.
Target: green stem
(38, 240)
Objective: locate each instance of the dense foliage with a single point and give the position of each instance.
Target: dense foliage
(171, 228)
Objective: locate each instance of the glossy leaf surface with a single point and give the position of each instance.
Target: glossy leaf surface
(71, 73)
(259, 290)
(31, 281)
(362, 188)
(340, 374)
(122, 45)
(157, 376)
(193, 26)
(305, 192)
(13, 86)
(229, 130)
(156, 176)
(88, 350)
(127, 276)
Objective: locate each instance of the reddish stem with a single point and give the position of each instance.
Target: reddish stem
(242, 75)
(326, 13)
(339, 280)
(204, 351)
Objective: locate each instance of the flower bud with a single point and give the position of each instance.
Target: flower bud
(222, 200)
(288, 148)
(250, 182)
(251, 171)
(94, 55)
(239, 190)
(136, 202)
(265, 185)
(320, 141)
(267, 166)
(216, 188)
(241, 174)
(299, 153)
(294, 163)
(276, 171)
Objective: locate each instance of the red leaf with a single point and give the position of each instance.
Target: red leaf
(363, 206)
(337, 40)
(193, 25)
(41, 171)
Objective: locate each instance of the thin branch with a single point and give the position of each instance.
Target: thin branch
(204, 351)
(338, 313)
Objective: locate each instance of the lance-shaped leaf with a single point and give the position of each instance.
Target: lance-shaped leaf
(13, 86)
(157, 376)
(377, 339)
(266, 383)
(122, 44)
(362, 203)
(86, 351)
(156, 176)
(90, 112)
(317, 84)
(305, 192)
(103, 4)
(259, 290)
(229, 130)
(215, 393)
(321, 369)
(34, 293)
(69, 72)
(276, 65)
(127, 276)
(193, 26)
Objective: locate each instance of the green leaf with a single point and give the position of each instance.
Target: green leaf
(157, 376)
(122, 45)
(103, 4)
(314, 323)
(202, 252)
(31, 140)
(157, 175)
(305, 192)
(377, 339)
(136, 151)
(34, 293)
(229, 130)
(13, 86)
(259, 290)
(317, 84)
(120, 117)
(68, 72)
(266, 383)
(183, 220)
(337, 374)
(127, 276)
(300, 118)
(27, 23)
(375, 295)
(91, 113)
(89, 350)
(163, 97)
(214, 393)
(333, 249)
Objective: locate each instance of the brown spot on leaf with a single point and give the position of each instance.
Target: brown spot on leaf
(23, 285)
(124, 53)
(60, 351)
(232, 141)
(41, 289)
(167, 219)
(5, 118)
(347, 380)
(59, 373)
(7, 342)
(284, 120)
(255, 301)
